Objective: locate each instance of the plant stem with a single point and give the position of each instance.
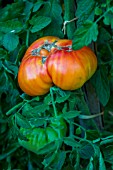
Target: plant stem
(14, 108)
(27, 38)
(71, 127)
(53, 103)
(102, 15)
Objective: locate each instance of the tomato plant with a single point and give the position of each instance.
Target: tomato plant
(40, 44)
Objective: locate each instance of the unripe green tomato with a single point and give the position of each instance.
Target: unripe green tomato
(37, 138)
(59, 125)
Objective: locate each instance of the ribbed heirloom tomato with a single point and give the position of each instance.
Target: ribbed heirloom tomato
(37, 138)
(50, 60)
(33, 77)
(70, 69)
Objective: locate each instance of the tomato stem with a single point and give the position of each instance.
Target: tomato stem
(53, 103)
(71, 128)
(14, 108)
(27, 38)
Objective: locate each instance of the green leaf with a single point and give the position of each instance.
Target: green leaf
(9, 12)
(84, 14)
(78, 131)
(69, 13)
(27, 10)
(3, 54)
(10, 41)
(34, 111)
(9, 150)
(101, 83)
(101, 162)
(11, 26)
(71, 142)
(61, 99)
(37, 122)
(84, 35)
(108, 18)
(21, 121)
(92, 135)
(37, 5)
(86, 150)
(98, 11)
(71, 114)
(39, 23)
(90, 165)
(49, 158)
(108, 153)
(10, 67)
(53, 10)
(105, 38)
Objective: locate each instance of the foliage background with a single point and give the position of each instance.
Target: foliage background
(88, 111)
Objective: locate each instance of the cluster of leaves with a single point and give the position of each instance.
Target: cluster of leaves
(89, 143)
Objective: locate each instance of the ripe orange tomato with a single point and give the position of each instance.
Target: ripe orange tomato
(33, 77)
(70, 69)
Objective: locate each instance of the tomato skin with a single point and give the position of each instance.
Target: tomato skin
(37, 138)
(70, 69)
(33, 77)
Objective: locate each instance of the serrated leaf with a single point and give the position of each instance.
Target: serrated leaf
(84, 35)
(37, 5)
(90, 165)
(53, 10)
(101, 162)
(11, 26)
(69, 13)
(27, 10)
(101, 83)
(37, 122)
(86, 150)
(3, 54)
(60, 99)
(108, 18)
(84, 14)
(71, 142)
(108, 153)
(49, 158)
(10, 41)
(10, 67)
(59, 160)
(35, 111)
(71, 114)
(21, 121)
(47, 99)
(50, 147)
(98, 11)
(39, 23)
(9, 150)
(105, 38)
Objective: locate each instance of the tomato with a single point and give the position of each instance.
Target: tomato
(33, 77)
(37, 138)
(70, 69)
